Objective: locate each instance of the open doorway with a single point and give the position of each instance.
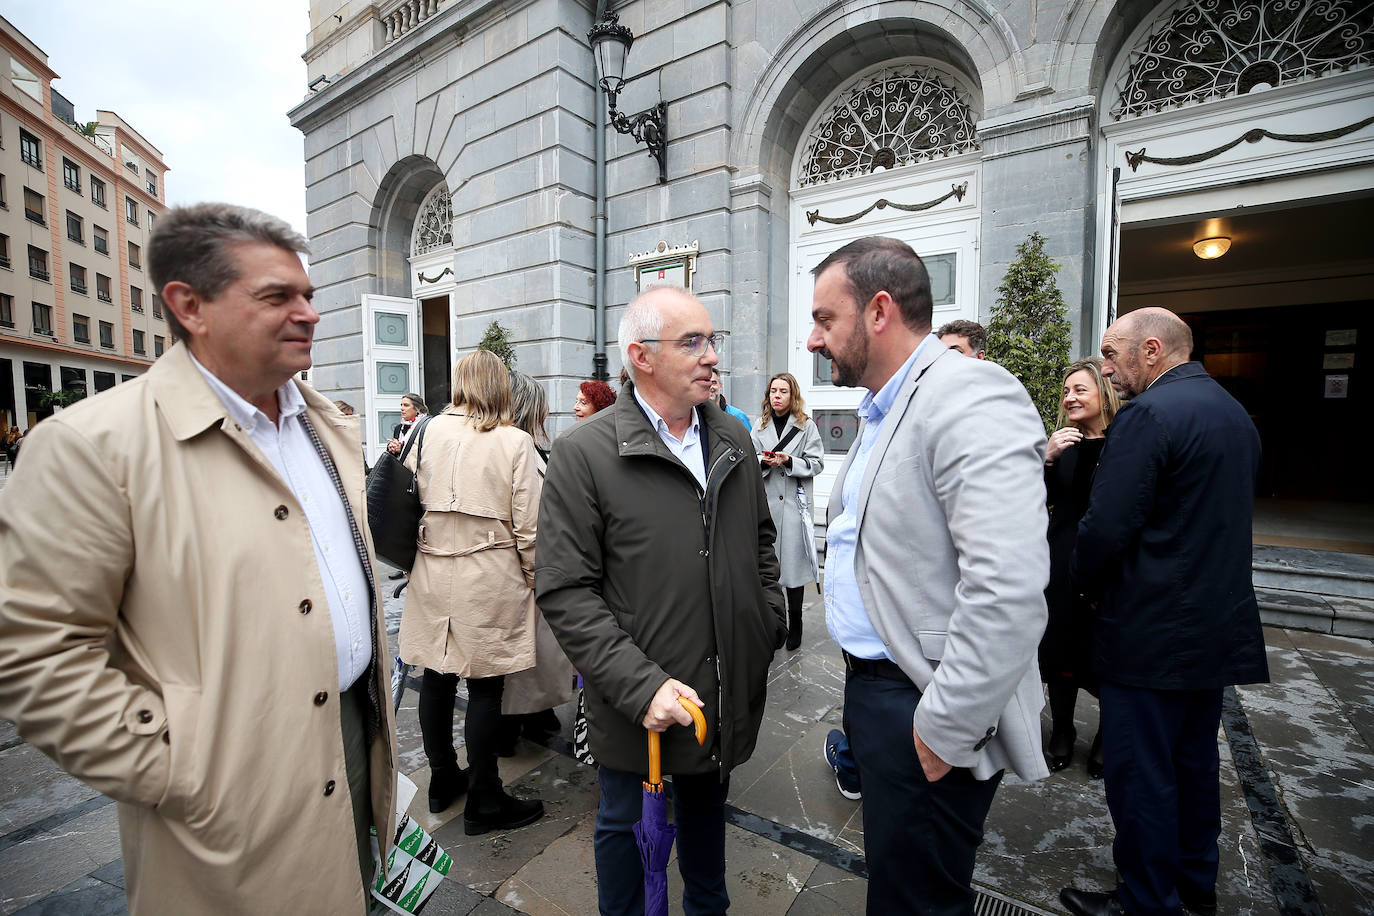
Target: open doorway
(1280, 321)
(435, 353)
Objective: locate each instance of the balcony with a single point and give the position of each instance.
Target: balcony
(399, 18)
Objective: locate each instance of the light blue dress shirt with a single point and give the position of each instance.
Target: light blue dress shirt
(688, 448)
(288, 447)
(845, 615)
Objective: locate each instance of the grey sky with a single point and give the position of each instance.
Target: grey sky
(207, 84)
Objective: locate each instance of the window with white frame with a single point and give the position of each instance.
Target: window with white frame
(71, 175)
(131, 210)
(78, 277)
(97, 192)
(81, 329)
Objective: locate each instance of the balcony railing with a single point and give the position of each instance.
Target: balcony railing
(5, 263)
(35, 216)
(399, 18)
(39, 273)
(79, 288)
(103, 296)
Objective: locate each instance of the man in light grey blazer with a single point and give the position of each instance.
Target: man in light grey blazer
(935, 574)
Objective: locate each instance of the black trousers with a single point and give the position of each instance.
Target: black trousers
(481, 727)
(921, 836)
(1161, 771)
(352, 713)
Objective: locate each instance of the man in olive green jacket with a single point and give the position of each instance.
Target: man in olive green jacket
(655, 568)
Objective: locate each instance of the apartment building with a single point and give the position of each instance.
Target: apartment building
(78, 200)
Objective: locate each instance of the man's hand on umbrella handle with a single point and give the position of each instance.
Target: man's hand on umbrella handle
(931, 764)
(664, 708)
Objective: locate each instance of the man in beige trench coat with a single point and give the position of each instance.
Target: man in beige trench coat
(189, 620)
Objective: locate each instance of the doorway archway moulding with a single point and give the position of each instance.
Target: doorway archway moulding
(974, 25)
(1195, 165)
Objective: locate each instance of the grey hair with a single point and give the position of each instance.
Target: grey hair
(194, 245)
(529, 406)
(642, 320)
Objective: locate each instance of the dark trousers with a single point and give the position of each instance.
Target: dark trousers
(698, 810)
(920, 836)
(1160, 750)
(352, 709)
(480, 728)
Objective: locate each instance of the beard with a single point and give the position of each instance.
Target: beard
(849, 367)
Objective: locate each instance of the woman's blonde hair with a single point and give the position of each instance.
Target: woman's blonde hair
(798, 405)
(1106, 393)
(481, 387)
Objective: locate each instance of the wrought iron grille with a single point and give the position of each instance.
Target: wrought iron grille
(434, 223)
(1212, 49)
(897, 116)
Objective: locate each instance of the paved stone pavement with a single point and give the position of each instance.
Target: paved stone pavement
(1297, 797)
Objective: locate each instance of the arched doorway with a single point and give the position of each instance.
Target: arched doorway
(892, 152)
(1251, 123)
(407, 341)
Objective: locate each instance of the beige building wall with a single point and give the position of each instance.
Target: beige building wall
(81, 305)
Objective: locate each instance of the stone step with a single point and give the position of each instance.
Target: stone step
(1318, 590)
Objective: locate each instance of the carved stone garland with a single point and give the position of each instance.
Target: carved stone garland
(433, 224)
(899, 116)
(1211, 49)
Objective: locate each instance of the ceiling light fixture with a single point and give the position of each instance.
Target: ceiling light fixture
(1213, 248)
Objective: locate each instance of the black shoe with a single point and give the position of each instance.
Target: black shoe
(510, 812)
(398, 574)
(1095, 769)
(794, 640)
(1061, 749)
(445, 786)
(538, 724)
(1090, 903)
(1195, 900)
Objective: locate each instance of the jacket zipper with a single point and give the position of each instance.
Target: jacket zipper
(720, 680)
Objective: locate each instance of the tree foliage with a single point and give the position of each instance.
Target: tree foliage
(497, 340)
(1029, 332)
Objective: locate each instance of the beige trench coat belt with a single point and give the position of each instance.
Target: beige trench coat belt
(491, 544)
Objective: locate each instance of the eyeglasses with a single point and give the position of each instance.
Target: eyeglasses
(695, 345)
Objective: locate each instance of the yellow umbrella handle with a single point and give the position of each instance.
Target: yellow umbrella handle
(655, 748)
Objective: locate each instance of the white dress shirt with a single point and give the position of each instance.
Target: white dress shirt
(288, 447)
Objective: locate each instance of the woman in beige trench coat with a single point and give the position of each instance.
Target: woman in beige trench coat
(470, 606)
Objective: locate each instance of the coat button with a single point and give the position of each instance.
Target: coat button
(329, 787)
(145, 716)
(306, 606)
(281, 512)
(321, 698)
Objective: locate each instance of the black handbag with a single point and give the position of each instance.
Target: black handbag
(393, 503)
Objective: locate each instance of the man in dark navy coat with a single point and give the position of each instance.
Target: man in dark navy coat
(1165, 552)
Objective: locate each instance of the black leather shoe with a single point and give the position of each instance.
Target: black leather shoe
(398, 574)
(1090, 903)
(1061, 750)
(1197, 901)
(1095, 769)
(510, 812)
(445, 786)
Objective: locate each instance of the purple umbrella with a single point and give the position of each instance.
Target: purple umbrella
(653, 834)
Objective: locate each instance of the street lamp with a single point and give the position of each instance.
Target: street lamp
(611, 43)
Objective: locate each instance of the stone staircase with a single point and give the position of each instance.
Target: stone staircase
(1318, 590)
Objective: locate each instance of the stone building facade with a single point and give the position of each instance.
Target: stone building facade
(77, 204)
(451, 165)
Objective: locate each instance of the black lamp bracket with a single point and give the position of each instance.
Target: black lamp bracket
(648, 127)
